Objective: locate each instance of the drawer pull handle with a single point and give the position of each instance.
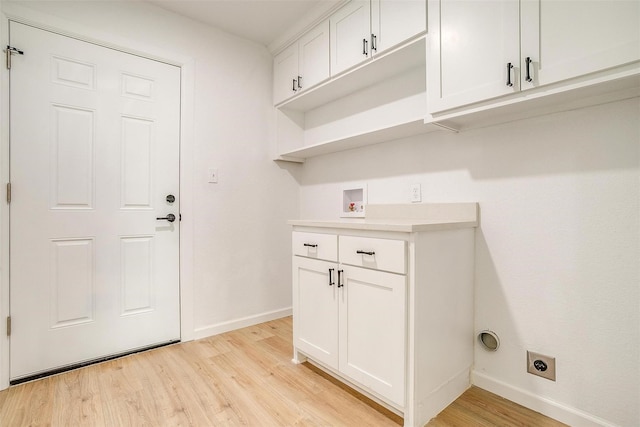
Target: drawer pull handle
(340, 278)
(365, 252)
(310, 245)
(331, 282)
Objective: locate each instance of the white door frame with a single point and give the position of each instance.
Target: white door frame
(44, 21)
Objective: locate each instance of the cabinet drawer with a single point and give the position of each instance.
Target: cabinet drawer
(379, 254)
(315, 245)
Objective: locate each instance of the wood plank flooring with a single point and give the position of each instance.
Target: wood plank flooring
(244, 377)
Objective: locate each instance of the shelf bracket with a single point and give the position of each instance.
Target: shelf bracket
(445, 127)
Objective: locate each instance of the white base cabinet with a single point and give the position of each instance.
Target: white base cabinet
(390, 313)
(316, 312)
(372, 330)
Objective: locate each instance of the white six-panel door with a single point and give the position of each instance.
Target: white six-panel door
(94, 155)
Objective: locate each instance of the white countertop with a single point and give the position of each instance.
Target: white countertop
(405, 218)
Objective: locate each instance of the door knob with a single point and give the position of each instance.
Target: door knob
(170, 218)
(171, 198)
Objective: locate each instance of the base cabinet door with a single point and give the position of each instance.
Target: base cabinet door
(315, 309)
(372, 330)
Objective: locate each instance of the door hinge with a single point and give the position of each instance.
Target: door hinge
(8, 192)
(11, 51)
(8, 326)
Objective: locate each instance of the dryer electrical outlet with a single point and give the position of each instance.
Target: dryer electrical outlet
(541, 365)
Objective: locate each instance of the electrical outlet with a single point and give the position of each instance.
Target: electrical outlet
(212, 175)
(415, 193)
(541, 365)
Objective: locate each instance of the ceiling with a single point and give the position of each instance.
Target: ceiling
(261, 21)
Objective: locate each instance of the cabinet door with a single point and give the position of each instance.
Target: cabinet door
(285, 71)
(567, 39)
(315, 309)
(470, 44)
(313, 56)
(394, 21)
(350, 31)
(372, 330)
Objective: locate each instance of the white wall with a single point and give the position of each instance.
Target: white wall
(557, 267)
(241, 244)
(557, 251)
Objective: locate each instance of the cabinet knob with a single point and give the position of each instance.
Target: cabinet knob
(299, 82)
(365, 44)
(293, 86)
(310, 245)
(340, 278)
(331, 282)
(374, 43)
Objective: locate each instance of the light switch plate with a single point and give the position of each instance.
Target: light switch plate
(213, 175)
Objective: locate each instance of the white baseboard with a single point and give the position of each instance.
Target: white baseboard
(243, 322)
(548, 407)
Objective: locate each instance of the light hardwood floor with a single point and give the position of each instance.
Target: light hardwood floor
(243, 377)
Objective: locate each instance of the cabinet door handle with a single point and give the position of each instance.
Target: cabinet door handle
(509, 68)
(299, 82)
(310, 245)
(331, 282)
(293, 85)
(527, 62)
(374, 43)
(365, 43)
(340, 278)
(365, 252)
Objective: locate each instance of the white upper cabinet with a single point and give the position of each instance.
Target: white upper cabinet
(365, 84)
(471, 44)
(363, 29)
(302, 65)
(313, 57)
(566, 39)
(350, 29)
(394, 21)
(285, 74)
(484, 49)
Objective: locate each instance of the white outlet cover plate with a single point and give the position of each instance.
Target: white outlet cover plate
(415, 193)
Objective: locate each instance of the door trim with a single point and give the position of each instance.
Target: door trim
(18, 13)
